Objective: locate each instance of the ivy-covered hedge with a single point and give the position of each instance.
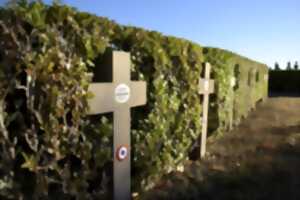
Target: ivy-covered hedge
(51, 148)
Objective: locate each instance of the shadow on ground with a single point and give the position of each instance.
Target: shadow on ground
(274, 175)
(258, 160)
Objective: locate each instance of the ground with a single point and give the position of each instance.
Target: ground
(259, 159)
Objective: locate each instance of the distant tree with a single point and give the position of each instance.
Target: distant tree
(296, 66)
(276, 66)
(289, 66)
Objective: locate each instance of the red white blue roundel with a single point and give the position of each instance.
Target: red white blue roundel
(122, 153)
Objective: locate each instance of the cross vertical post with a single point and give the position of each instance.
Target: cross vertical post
(118, 97)
(206, 87)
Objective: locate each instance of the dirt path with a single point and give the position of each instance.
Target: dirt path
(259, 159)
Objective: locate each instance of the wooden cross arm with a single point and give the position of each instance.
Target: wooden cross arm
(138, 96)
(203, 83)
(104, 96)
(102, 100)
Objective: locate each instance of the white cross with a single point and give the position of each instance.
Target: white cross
(118, 97)
(206, 87)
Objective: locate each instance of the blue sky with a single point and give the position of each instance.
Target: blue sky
(264, 30)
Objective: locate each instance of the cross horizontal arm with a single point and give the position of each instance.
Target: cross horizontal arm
(102, 102)
(138, 93)
(206, 86)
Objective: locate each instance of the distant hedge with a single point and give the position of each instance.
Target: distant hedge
(240, 84)
(284, 82)
(51, 149)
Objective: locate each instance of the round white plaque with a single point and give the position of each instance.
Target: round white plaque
(122, 93)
